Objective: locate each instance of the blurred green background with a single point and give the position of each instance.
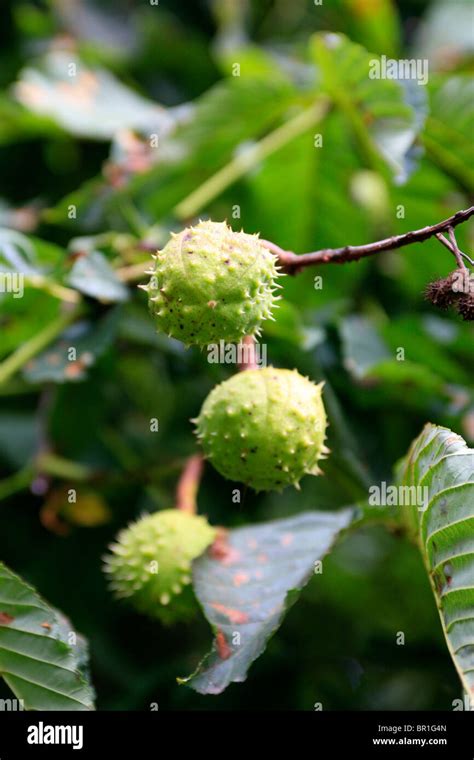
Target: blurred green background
(129, 142)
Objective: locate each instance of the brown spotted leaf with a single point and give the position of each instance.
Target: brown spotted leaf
(245, 583)
(70, 357)
(87, 102)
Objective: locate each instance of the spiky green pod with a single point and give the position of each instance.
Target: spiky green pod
(264, 427)
(150, 563)
(210, 284)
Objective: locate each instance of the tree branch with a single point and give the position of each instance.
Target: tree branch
(293, 262)
(188, 484)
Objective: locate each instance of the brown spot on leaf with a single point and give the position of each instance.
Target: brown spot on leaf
(221, 549)
(240, 578)
(451, 439)
(74, 369)
(5, 618)
(46, 625)
(223, 649)
(31, 94)
(76, 255)
(235, 616)
(287, 539)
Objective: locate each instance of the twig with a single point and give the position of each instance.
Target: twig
(53, 288)
(293, 262)
(133, 272)
(455, 249)
(249, 359)
(41, 481)
(439, 236)
(468, 258)
(188, 484)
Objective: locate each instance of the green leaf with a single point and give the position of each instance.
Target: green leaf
(224, 120)
(36, 660)
(431, 340)
(370, 362)
(247, 587)
(375, 25)
(93, 275)
(300, 208)
(385, 115)
(230, 113)
(450, 126)
(440, 462)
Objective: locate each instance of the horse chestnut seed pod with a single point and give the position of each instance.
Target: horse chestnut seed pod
(264, 427)
(210, 283)
(150, 562)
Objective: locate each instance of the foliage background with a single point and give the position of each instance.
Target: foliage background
(338, 644)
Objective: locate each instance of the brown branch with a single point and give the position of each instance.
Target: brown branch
(293, 262)
(188, 484)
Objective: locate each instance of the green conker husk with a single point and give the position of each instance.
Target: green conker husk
(150, 563)
(264, 427)
(210, 283)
